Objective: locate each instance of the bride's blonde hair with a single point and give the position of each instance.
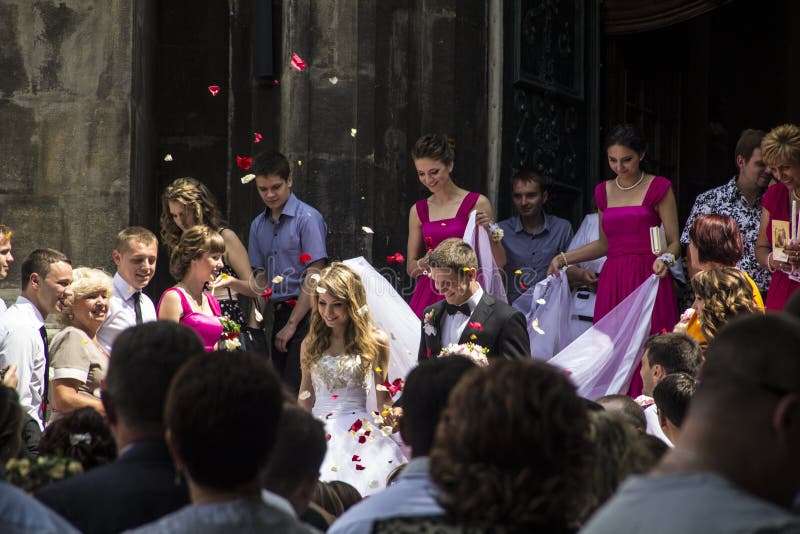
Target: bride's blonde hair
(340, 283)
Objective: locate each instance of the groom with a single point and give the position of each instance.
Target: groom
(467, 314)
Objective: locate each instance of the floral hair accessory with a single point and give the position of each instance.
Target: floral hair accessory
(247, 178)
(74, 439)
(362, 310)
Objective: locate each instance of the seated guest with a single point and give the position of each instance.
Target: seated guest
(77, 360)
(82, 435)
(527, 466)
(139, 486)
(735, 466)
(626, 408)
(221, 442)
(293, 469)
(665, 354)
(672, 396)
(195, 262)
(413, 494)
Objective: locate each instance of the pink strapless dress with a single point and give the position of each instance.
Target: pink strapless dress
(207, 327)
(630, 261)
(433, 233)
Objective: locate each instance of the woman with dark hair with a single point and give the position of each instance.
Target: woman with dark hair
(82, 435)
(442, 215)
(221, 418)
(195, 262)
(628, 206)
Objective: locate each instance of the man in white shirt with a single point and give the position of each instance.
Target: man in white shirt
(135, 254)
(413, 494)
(46, 281)
(5, 257)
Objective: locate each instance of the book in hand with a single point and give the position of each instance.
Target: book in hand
(658, 240)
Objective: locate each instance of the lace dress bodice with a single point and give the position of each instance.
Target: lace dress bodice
(340, 384)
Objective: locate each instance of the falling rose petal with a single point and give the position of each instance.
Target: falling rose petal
(305, 257)
(266, 294)
(85, 341)
(473, 337)
(299, 162)
(291, 302)
(378, 370)
(321, 290)
(518, 271)
(362, 310)
(362, 439)
(334, 80)
(360, 467)
(244, 162)
(276, 82)
(373, 484)
(328, 415)
(315, 277)
(363, 198)
(213, 89)
(541, 302)
(353, 132)
(334, 396)
(386, 431)
(367, 230)
(535, 326)
(356, 458)
(334, 468)
(304, 395)
(257, 137)
(298, 63)
(247, 178)
(328, 437)
(277, 280)
(381, 387)
(168, 157)
(523, 286)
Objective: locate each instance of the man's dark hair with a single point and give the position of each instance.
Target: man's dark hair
(672, 395)
(424, 397)
(222, 415)
(39, 262)
(143, 361)
(298, 452)
(749, 141)
(676, 353)
(627, 408)
(529, 175)
(271, 164)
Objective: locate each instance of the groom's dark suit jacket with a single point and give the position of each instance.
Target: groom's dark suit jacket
(503, 330)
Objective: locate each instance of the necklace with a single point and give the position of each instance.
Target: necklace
(628, 188)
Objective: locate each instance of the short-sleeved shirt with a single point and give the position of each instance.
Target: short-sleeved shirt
(74, 355)
(278, 247)
(531, 253)
(728, 200)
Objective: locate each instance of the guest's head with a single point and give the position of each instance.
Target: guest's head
(293, 468)
(425, 394)
(86, 309)
(47, 279)
(326, 498)
(198, 251)
(666, 354)
(82, 435)
(529, 192)
(780, 150)
(135, 255)
(752, 169)
(143, 361)
(714, 241)
(672, 396)
(348, 495)
(222, 415)
(454, 269)
(5, 250)
(625, 149)
(512, 448)
(187, 202)
(626, 408)
(273, 179)
(433, 156)
(11, 419)
(720, 295)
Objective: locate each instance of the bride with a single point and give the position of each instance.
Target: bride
(342, 359)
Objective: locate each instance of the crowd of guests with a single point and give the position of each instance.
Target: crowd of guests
(145, 418)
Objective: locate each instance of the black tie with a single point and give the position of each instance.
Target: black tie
(137, 307)
(43, 333)
(453, 308)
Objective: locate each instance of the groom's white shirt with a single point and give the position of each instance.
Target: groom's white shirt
(453, 325)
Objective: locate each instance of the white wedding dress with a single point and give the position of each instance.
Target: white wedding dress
(358, 451)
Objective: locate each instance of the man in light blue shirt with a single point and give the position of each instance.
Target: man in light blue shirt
(413, 494)
(532, 237)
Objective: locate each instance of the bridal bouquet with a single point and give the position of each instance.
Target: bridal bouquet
(474, 352)
(230, 333)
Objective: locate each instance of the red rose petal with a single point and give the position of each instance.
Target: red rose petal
(334, 396)
(390, 259)
(328, 415)
(356, 458)
(213, 89)
(298, 63)
(257, 137)
(244, 163)
(399, 258)
(328, 437)
(362, 439)
(276, 82)
(360, 467)
(355, 427)
(291, 302)
(266, 294)
(305, 258)
(368, 432)
(476, 326)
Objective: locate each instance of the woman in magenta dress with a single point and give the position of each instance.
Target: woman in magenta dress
(442, 215)
(628, 206)
(195, 262)
(780, 149)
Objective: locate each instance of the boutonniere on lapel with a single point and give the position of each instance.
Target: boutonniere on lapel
(475, 325)
(427, 327)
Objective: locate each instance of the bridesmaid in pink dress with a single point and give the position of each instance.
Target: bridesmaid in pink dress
(628, 206)
(442, 215)
(195, 261)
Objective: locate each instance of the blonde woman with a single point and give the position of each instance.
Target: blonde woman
(77, 360)
(720, 295)
(342, 359)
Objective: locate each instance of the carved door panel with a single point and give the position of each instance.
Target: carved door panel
(551, 119)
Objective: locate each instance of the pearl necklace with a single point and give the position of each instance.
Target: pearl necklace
(628, 188)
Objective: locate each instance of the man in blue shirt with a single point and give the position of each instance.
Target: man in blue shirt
(287, 244)
(532, 237)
